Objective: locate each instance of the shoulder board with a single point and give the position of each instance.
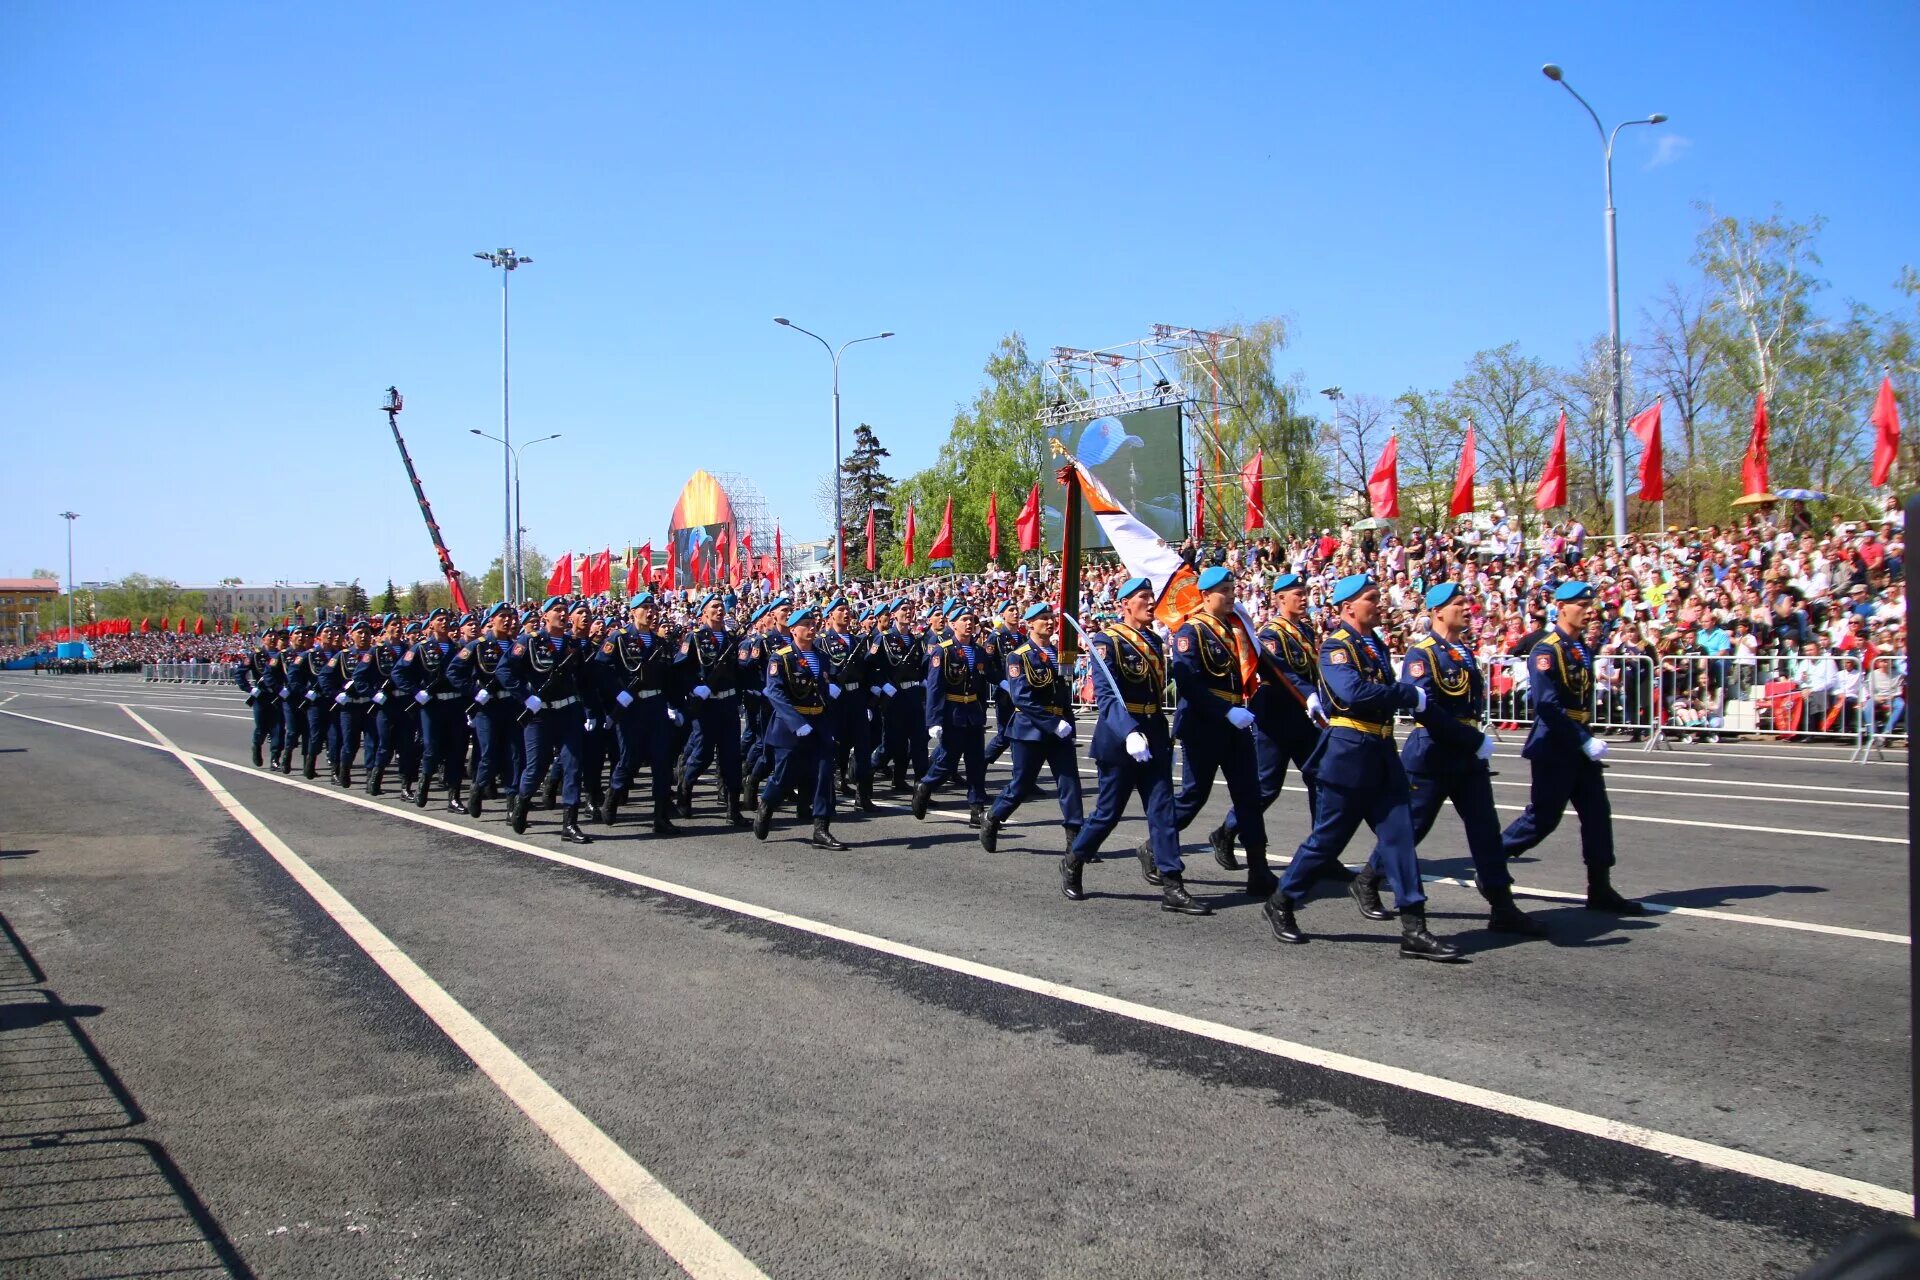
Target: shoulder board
(1023, 649)
(1424, 642)
(783, 649)
(947, 643)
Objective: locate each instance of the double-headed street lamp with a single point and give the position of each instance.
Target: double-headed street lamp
(1619, 391)
(508, 261)
(70, 517)
(839, 521)
(511, 585)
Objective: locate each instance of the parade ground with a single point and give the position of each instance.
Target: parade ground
(260, 1025)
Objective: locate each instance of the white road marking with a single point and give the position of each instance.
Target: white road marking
(682, 1234)
(1739, 782)
(144, 706)
(1615, 789)
(1705, 1153)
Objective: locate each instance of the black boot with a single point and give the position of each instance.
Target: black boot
(406, 790)
(596, 800)
(343, 774)
(1174, 897)
(1261, 882)
(734, 815)
(256, 755)
(976, 815)
(990, 834)
(1365, 890)
(570, 826)
(824, 838)
(286, 760)
(921, 795)
(611, 809)
(1147, 869)
(1280, 915)
(517, 815)
(683, 799)
(306, 768)
(374, 778)
(763, 819)
(1070, 886)
(843, 784)
(663, 819)
(456, 800)
(476, 799)
(1601, 895)
(549, 793)
(1417, 944)
(866, 803)
(1222, 841)
(1504, 917)
(420, 792)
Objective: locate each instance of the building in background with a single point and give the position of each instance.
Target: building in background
(261, 603)
(20, 602)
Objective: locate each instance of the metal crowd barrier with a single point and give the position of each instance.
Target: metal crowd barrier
(186, 672)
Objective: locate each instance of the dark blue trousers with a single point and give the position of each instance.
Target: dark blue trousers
(323, 728)
(1555, 782)
(853, 736)
(1002, 717)
(1061, 759)
(1154, 783)
(352, 724)
(443, 740)
(1340, 812)
(969, 742)
(1207, 752)
(498, 740)
(269, 726)
(548, 735)
(903, 744)
(645, 737)
(807, 767)
(715, 738)
(293, 720)
(1470, 787)
(1271, 753)
(398, 737)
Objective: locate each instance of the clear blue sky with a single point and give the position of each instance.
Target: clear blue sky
(230, 227)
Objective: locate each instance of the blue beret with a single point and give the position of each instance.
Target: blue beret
(643, 598)
(1041, 610)
(712, 597)
(388, 619)
(1573, 592)
(439, 613)
(946, 606)
(414, 628)
(1350, 586)
(554, 602)
(491, 614)
(808, 614)
(1133, 585)
(531, 615)
(1001, 606)
(1289, 582)
(580, 606)
(758, 614)
(780, 602)
(961, 609)
(466, 618)
(899, 603)
(1441, 594)
(360, 624)
(1217, 576)
(838, 602)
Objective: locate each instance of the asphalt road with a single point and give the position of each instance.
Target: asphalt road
(914, 1058)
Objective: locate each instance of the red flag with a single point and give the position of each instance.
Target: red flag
(779, 557)
(906, 544)
(143, 625)
(1646, 429)
(1255, 487)
(872, 552)
(1026, 526)
(1553, 481)
(597, 577)
(744, 566)
(1462, 504)
(561, 583)
(942, 548)
(1886, 432)
(1383, 486)
(633, 573)
(645, 559)
(1199, 501)
(993, 525)
(1753, 467)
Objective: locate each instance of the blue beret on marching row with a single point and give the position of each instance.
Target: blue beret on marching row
(388, 619)
(1133, 586)
(1573, 592)
(531, 615)
(1350, 586)
(643, 599)
(838, 602)
(554, 602)
(491, 614)
(1213, 579)
(1041, 610)
(1289, 582)
(580, 606)
(758, 614)
(807, 616)
(1001, 606)
(1442, 594)
(440, 613)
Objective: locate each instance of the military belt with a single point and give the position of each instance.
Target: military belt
(963, 697)
(810, 711)
(564, 702)
(644, 694)
(355, 702)
(853, 685)
(1142, 708)
(1578, 717)
(1226, 694)
(719, 694)
(1364, 726)
(909, 684)
(447, 697)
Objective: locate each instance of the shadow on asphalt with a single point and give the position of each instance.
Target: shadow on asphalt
(84, 1194)
(1727, 894)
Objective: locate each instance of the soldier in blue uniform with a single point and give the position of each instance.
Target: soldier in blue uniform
(751, 654)
(956, 716)
(1360, 775)
(1446, 758)
(1134, 751)
(297, 669)
(397, 716)
(264, 678)
(543, 672)
(1566, 755)
(323, 663)
(353, 705)
(897, 660)
(846, 657)
(709, 669)
(641, 691)
(1286, 714)
(1042, 728)
(596, 729)
(1213, 658)
(800, 730)
(437, 674)
(1001, 639)
(491, 714)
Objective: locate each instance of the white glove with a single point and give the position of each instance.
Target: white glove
(1240, 717)
(1316, 712)
(534, 703)
(888, 689)
(1137, 747)
(483, 697)
(1419, 699)
(702, 692)
(1064, 728)
(312, 694)
(422, 697)
(1485, 749)
(803, 731)
(933, 734)
(1596, 748)
(339, 699)
(833, 691)
(674, 717)
(380, 698)
(588, 726)
(624, 698)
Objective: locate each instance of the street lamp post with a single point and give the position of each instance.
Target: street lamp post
(514, 591)
(508, 261)
(1619, 390)
(839, 520)
(70, 517)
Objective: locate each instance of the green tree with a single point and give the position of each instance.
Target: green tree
(1431, 432)
(534, 570)
(354, 600)
(390, 602)
(1510, 398)
(417, 598)
(1679, 363)
(1352, 440)
(1266, 414)
(322, 598)
(865, 487)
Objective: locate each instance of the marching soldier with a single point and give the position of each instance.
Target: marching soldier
(1134, 750)
(263, 677)
(956, 716)
(755, 760)
(437, 673)
(1360, 776)
(493, 712)
(709, 669)
(800, 732)
(1042, 729)
(543, 672)
(897, 661)
(596, 737)
(1446, 759)
(847, 671)
(1566, 755)
(354, 703)
(323, 664)
(297, 671)
(639, 688)
(392, 714)
(1000, 640)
